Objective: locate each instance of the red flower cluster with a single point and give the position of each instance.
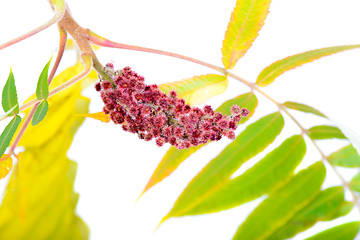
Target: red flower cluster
(145, 110)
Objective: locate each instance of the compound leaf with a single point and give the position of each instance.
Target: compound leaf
(275, 169)
(253, 140)
(283, 204)
(40, 200)
(325, 207)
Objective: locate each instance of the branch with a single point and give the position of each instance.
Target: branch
(23, 128)
(59, 12)
(62, 44)
(100, 41)
(87, 69)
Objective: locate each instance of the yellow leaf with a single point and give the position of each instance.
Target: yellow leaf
(270, 73)
(40, 201)
(5, 165)
(246, 21)
(98, 116)
(198, 89)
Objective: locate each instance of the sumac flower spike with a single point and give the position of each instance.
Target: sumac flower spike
(150, 113)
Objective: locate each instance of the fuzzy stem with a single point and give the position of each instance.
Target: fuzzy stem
(23, 128)
(62, 44)
(59, 13)
(100, 41)
(87, 69)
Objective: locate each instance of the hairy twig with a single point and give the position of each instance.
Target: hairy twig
(59, 12)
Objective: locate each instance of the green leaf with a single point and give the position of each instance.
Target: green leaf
(246, 21)
(345, 157)
(355, 183)
(198, 89)
(327, 203)
(174, 157)
(283, 204)
(8, 133)
(347, 231)
(303, 108)
(40, 112)
(325, 132)
(9, 96)
(253, 140)
(270, 73)
(42, 89)
(268, 174)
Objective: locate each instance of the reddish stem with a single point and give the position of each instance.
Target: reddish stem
(58, 15)
(100, 41)
(62, 44)
(23, 128)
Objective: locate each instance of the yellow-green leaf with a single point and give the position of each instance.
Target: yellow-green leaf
(346, 231)
(273, 171)
(98, 116)
(198, 89)
(5, 165)
(355, 183)
(246, 21)
(324, 207)
(345, 157)
(253, 140)
(283, 204)
(303, 108)
(325, 132)
(174, 157)
(270, 73)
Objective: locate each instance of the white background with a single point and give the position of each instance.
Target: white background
(114, 166)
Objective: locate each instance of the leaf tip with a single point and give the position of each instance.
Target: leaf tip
(142, 193)
(161, 222)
